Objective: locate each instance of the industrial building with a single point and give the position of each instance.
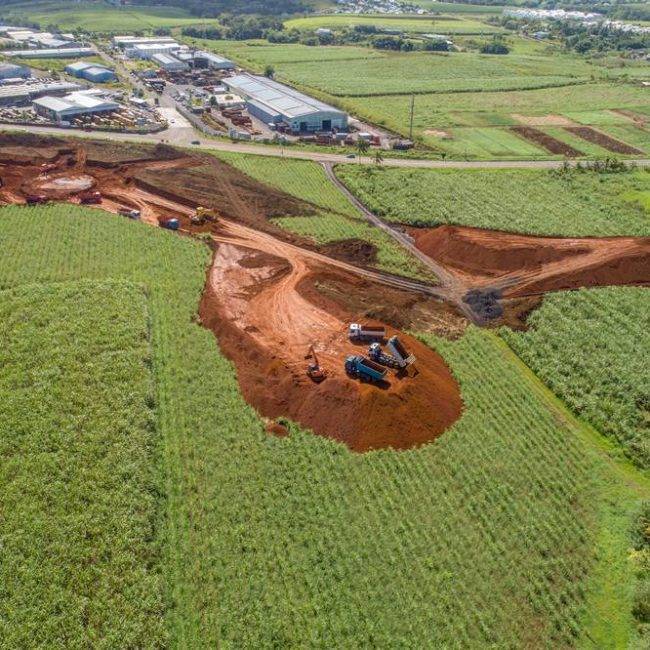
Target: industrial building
(213, 61)
(11, 71)
(63, 109)
(94, 72)
(169, 63)
(274, 103)
(147, 50)
(63, 53)
(21, 94)
(130, 41)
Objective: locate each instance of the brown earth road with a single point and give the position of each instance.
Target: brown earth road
(185, 137)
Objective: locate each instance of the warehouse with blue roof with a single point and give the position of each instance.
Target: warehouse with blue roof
(274, 103)
(94, 72)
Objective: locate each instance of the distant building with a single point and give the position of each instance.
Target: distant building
(273, 102)
(63, 53)
(147, 50)
(63, 109)
(22, 93)
(130, 41)
(229, 100)
(169, 63)
(94, 72)
(11, 71)
(213, 61)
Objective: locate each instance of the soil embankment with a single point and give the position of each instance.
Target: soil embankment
(520, 265)
(265, 321)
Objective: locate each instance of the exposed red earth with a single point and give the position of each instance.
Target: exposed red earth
(269, 295)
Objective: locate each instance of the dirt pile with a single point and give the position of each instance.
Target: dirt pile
(265, 325)
(520, 265)
(355, 251)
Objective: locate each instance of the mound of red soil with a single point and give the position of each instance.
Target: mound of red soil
(603, 140)
(551, 144)
(521, 265)
(264, 326)
(355, 251)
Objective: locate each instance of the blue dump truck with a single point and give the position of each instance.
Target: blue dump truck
(377, 354)
(363, 368)
(171, 224)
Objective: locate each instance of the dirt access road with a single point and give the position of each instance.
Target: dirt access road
(183, 137)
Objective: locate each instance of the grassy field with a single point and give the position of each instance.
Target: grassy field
(449, 111)
(492, 536)
(585, 346)
(55, 65)
(467, 96)
(422, 72)
(526, 201)
(100, 17)
(79, 486)
(445, 24)
(335, 219)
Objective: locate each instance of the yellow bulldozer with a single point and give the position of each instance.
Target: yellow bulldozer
(203, 215)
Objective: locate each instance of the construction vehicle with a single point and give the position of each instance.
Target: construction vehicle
(35, 199)
(171, 224)
(363, 368)
(359, 332)
(377, 354)
(314, 370)
(90, 198)
(131, 214)
(201, 215)
(398, 350)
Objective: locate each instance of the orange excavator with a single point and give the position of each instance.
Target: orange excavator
(314, 371)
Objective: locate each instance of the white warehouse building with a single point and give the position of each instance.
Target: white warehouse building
(147, 50)
(274, 103)
(62, 109)
(169, 63)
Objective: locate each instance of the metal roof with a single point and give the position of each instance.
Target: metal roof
(278, 97)
(63, 52)
(78, 66)
(33, 89)
(53, 103)
(75, 101)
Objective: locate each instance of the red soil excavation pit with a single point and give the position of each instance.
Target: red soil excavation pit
(522, 265)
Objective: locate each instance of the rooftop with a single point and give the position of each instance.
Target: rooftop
(277, 96)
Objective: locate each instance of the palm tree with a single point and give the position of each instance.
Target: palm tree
(362, 147)
(379, 157)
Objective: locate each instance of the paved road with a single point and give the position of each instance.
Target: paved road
(183, 137)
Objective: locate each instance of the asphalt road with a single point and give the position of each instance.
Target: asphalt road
(180, 135)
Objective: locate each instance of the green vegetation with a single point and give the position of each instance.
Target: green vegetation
(573, 204)
(484, 538)
(99, 17)
(79, 486)
(335, 219)
(54, 65)
(586, 346)
(415, 24)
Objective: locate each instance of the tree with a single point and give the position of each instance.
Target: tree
(362, 147)
(379, 157)
(269, 71)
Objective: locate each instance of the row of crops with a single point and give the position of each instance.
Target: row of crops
(79, 485)
(485, 537)
(523, 201)
(588, 347)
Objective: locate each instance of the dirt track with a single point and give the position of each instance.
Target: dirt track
(270, 294)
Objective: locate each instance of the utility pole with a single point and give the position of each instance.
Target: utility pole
(411, 120)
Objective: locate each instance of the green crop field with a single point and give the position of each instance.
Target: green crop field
(79, 487)
(447, 111)
(422, 72)
(414, 25)
(524, 201)
(335, 219)
(100, 17)
(585, 345)
(499, 534)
